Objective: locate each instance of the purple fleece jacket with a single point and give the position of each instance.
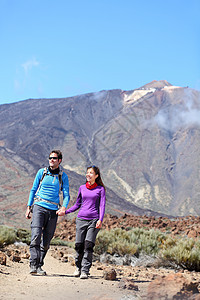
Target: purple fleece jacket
(91, 203)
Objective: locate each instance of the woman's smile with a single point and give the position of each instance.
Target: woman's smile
(91, 176)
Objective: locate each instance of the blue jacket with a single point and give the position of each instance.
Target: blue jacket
(49, 190)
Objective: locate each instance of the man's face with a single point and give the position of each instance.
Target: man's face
(54, 161)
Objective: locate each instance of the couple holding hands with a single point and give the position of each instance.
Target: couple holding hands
(48, 184)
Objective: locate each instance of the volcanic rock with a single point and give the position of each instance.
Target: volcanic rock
(2, 259)
(173, 286)
(109, 274)
(128, 284)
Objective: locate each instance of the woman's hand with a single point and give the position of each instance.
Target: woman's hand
(98, 224)
(61, 211)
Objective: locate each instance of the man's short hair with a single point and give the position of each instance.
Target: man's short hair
(58, 152)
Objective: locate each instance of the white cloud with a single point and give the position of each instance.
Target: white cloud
(100, 95)
(176, 116)
(17, 84)
(26, 81)
(28, 65)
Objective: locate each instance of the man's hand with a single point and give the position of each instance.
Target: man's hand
(61, 211)
(98, 224)
(28, 212)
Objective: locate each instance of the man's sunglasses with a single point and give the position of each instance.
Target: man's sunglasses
(51, 157)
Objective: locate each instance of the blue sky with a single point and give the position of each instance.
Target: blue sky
(64, 48)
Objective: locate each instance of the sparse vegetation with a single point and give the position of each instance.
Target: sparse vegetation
(59, 242)
(133, 242)
(7, 235)
(173, 251)
(179, 252)
(184, 252)
(23, 235)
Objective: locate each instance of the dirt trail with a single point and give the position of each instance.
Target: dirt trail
(17, 283)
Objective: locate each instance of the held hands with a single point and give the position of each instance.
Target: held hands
(61, 211)
(98, 224)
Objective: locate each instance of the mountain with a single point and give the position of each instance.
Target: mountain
(145, 141)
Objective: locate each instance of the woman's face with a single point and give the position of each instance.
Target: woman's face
(91, 176)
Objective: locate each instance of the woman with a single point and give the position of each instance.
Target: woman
(91, 201)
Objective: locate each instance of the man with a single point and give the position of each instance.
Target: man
(45, 195)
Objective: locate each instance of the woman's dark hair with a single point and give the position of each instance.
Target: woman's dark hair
(98, 180)
(58, 152)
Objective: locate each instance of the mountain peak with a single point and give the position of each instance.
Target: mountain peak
(156, 84)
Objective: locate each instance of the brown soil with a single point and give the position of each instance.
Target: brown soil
(17, 283)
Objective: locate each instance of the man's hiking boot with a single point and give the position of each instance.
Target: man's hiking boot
(84, 275)
(33, 270)
(77, 272)
(40, 271)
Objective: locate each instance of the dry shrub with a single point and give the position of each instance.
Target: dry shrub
(7, 235)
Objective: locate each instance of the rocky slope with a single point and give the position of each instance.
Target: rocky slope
(182, 226)
(145, 141)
